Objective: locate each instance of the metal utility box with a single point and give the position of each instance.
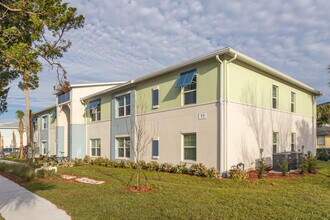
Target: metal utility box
(281, 157)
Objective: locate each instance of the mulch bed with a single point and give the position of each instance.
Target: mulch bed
(253, 175)
(139, 189)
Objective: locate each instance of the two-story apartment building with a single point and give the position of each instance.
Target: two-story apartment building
(219, 109)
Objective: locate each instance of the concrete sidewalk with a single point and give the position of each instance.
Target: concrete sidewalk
(18, 203)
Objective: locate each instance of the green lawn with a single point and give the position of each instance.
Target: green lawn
(188, 197)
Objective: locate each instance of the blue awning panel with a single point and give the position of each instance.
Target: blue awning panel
(186, 78)
(93, 104)
(34, 119)
(54, 115)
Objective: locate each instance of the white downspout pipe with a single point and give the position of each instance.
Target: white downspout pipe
(226, 112)
(220, 116)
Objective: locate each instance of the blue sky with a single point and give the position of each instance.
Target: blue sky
(126, 39)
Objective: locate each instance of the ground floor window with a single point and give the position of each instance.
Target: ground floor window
(44, 146)
(275, 142)
(96, 147)
(189, 146)
(320, 140)
(123, 147)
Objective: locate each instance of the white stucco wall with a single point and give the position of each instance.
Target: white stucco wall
(251, 128)
(7, 135)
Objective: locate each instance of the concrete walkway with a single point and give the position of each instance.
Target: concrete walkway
(18, 203)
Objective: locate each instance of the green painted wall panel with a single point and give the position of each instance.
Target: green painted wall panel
(172, 97)
(105, 107)
(52, 120)
(251, 86)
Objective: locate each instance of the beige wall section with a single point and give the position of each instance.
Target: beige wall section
(327, 142)
(252, 86)
(99, 130)
(251, 128)
(169, 125)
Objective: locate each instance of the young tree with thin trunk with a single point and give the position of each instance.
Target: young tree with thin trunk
(30, 30)
(20, 116)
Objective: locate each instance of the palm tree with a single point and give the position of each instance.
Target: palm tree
(20, 116)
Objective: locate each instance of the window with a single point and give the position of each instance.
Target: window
(190, 92)
(123, 147)
(123, 105)
(293, 141)
(44, 122)
(321, 140)
(96, 147)
(44, 146)
(96, 113)
(155, 149)
(155, 98)
(275, 142)
(189, 146)
(293, 102)
(275, 97)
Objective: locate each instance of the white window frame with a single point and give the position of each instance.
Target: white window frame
(183, 147)
(276, 97)
(293, 141)
(96, 113)
(124, 106)
(44, 147)
(152, 97)
(187, 90)
(125, 147)
(318, 140)
(293, 102)
(44, 126)
(275, 143)
(98, 141)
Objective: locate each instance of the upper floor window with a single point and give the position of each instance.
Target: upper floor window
(63, 97)
(293, 102)
(123, 105)
(96, 113)
(94, 108)
(190, 92)
(275, 97)
(188, 80)
(155, 98)
(44, 122)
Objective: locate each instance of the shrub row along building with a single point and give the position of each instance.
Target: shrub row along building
(219, 109)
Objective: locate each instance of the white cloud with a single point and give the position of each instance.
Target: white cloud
(125, 39)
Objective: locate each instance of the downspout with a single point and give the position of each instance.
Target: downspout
(226, 111)
(220, 116)
(85, 118)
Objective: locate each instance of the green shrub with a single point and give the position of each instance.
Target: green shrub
(87, 160)
(181, 169)
(3, 167)
(261, 167)
(308, 164)
(323, 155)
(123, 164)
(66, 164)
(198, 170)
(143, 165)
(153, 166)
(100, 161)
(46, 174)
(23, 171)
(131, 164)
(283, 165)
(212, 173)
(78, 162)
(166, 167)
(236, 173)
